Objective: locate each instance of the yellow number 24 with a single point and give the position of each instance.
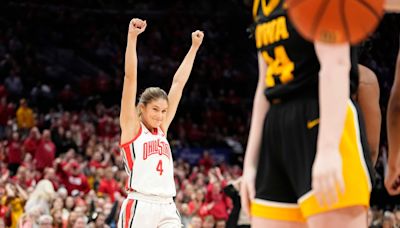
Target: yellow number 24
(281, 68)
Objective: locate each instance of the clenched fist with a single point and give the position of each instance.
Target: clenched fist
(197, 38)
(137, 26)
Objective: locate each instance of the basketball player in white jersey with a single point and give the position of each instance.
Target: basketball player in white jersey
(144, 146)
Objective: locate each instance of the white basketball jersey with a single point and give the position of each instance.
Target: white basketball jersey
(148, 162)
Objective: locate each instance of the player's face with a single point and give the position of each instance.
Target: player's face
(155, 112)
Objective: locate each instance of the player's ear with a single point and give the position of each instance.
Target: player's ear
(141, 107)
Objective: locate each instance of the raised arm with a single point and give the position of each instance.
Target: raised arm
(180, 78)
(128, 118)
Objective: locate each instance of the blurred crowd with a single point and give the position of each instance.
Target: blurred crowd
(75, 59)
(378, 218)
(61, 74)
(48, 181)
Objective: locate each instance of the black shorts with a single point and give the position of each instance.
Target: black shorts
(283, 181)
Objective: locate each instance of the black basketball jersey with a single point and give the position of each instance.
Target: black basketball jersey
(293, 65)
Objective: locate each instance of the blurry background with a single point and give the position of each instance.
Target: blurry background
(61, 75)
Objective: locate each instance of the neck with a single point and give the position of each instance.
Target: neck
(150, 128)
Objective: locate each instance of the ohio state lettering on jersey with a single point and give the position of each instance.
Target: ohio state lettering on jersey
(156, 147)
(148, 163)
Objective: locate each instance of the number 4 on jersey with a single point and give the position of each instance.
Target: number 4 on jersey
(159, 167)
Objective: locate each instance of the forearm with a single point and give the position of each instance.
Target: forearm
(373, 121)
(393, 118)
(22, 193)
(334, 93)
(182, 74)
(392, 6)
(131, 57)
(130, 82)
(393, 126)
(368, 100)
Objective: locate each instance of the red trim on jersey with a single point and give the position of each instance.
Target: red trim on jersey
(127, 187)
(155, 131)
(128, 212)
(128, 156)
(134, 138)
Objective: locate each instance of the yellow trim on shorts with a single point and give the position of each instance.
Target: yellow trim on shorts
(355, 171)
(356, 177)
(276, 211)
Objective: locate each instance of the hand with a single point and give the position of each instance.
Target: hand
(210, 206)
(137, 26)
(327, 176)
(57, 161)
(197, 38)
(247, 189)
(392, 178)
(9, 190)
(211, 176)
(237, 183)
(219, 174)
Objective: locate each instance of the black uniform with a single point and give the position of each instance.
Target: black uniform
(283, 182)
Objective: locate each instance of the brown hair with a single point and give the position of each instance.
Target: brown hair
(150, 94)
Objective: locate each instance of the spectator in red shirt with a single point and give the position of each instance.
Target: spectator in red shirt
(105, 127)
(96, 161)
(50, 174)
(206, 161)
(4, 116)
(197, 200)
(45, 152)
(108, 185)
(22, 178)
(15, 154)
(28, 162)
(219, 205)
(31, 143)
(72, 177)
